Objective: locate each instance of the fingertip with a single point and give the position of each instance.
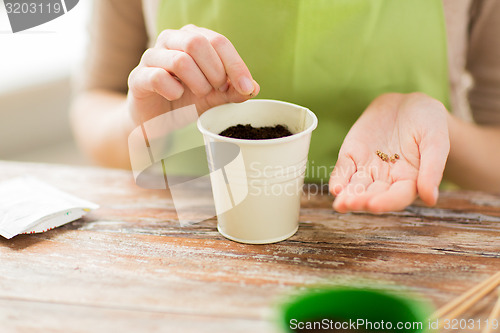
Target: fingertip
(337, 184)
(339, 204)
(430, 199)
(165, 85)
(256, 89)
(174, 94)
(428, 194)
(338, 207)
(431, 170)
(335, 189)
(224, 87)
(232, 94)
(436, 194)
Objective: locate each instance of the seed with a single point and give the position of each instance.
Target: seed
(383, 156)
(394, 158)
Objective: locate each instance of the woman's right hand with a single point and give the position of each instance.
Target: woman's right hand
(192, 65)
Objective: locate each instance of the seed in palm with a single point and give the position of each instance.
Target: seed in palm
(393, 158)
(383, 156)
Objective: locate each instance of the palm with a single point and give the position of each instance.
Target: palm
(393, 124)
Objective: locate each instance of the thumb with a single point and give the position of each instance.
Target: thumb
(434, 150)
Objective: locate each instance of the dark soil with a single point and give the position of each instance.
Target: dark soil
(256, 133)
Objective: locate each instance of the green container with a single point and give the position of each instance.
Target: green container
(348, 309)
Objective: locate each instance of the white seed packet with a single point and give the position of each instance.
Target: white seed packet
(28, 205)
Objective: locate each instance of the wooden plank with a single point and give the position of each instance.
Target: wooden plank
(28, 316)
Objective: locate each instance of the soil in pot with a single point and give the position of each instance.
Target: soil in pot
(249, 132)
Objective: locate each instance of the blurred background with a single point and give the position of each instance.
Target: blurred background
(36, 67)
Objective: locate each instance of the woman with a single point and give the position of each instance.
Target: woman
(397, 65)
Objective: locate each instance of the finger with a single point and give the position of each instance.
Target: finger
(229, 96)
(235, 67)
(357, 186)
(399, 195)
(341, 174)
(199, 48)
(361, 202)
(146, 80)
(181, 65)
(233, 95)
(433, 156)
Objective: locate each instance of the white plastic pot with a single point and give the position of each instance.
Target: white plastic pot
(257, 194)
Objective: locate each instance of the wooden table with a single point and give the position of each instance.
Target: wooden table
(130, 267)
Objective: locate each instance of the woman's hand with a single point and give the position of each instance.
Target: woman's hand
(188, 66)
(415, 127)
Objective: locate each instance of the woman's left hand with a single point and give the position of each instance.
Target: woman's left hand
(413, 126)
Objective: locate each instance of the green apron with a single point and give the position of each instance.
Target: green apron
(331, 56)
